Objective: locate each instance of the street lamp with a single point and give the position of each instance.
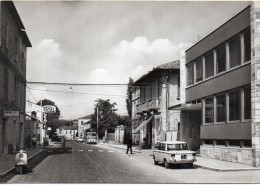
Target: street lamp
(97, 126)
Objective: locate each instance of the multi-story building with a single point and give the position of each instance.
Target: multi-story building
(221, 100)
(83, 125)
(153, 94)
(13, 46)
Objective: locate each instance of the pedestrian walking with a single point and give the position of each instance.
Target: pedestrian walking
(34, 142)
(129, 144)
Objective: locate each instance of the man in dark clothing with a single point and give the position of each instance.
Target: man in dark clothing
(129, 145)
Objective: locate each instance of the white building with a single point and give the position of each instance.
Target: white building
(69, 132)
(83, 125)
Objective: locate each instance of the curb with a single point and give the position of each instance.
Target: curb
(226, 170)
(29, 159)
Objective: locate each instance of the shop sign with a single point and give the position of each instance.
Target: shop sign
(11, 113)
(49, 109)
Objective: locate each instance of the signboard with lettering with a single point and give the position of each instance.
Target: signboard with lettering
(49, 109)
(11, 113)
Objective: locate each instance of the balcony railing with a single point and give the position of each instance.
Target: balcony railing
(149, 105)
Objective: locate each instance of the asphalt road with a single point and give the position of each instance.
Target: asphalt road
(102, 164)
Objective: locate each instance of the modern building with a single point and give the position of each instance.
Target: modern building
(13, 50)
(220, 102)
(153, 94)
(83, 125)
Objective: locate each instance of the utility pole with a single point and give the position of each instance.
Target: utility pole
(97, 126)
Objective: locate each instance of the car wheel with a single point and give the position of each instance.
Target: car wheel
(154, 161)
(166, 164)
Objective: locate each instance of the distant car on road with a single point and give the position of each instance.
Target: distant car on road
(80, 140)
(173, 152)
(91, 137)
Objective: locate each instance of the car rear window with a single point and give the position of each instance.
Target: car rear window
(171, 147)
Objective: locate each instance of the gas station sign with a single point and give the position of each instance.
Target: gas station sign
(49, 109)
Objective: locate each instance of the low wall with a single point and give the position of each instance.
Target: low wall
(231, 154)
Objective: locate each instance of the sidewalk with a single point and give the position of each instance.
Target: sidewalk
(202, 162)
(7, 161)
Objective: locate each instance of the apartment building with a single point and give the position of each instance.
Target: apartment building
(152, 94)
(13, 50)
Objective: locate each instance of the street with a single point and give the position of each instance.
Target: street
(103, 164)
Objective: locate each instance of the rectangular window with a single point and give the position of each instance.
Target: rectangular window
(6, 84)
(234, 105)
(178, 92)
(208, 142)
(234, 142)
(209, 65)
(248, 143)
(235, 52)
(221, 58)
(247, 102)
(220, 142)
(7, 36)
(221, 108)
(190, 74)
(199, 70)
(209, 111)
(247, 45)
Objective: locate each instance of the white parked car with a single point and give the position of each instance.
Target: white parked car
(173, 152)
(79, 140)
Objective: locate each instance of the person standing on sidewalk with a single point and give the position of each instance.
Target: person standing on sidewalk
(34, 142)
(129, 145)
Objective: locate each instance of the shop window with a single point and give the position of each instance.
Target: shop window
(199, 70)
(234, 143)
(221, 58)
(247, 102)
(209, 111)
(235, 52)
(221, 108)
(234, 105)
(247, 143)
(208, 142)
(190, 74)
(247, 45)
(221, 142)
(209, 65)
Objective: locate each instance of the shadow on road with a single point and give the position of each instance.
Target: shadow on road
(37, 160)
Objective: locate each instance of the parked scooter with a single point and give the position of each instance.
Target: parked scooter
(21, 164)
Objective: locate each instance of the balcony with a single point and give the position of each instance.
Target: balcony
(147, 106)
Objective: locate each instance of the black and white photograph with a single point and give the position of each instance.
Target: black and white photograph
(129, 92)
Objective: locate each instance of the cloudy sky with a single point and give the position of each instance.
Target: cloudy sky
(108, 42)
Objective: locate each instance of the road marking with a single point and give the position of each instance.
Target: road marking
(111, 151)
(101, 150)
(90, 150)
(70, 150)
(80, 150)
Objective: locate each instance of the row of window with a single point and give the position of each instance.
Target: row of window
(69, 132)
(234, 105)
(228, 55)
(228, 143)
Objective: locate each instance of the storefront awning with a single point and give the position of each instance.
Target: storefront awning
(186, 106)
(142, 124)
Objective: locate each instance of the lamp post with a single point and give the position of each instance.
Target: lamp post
(97, 126)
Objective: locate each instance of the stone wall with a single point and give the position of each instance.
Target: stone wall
(231, 154)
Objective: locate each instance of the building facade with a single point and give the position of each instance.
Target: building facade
(83, 125)
(222, 95)
(69, 132)
(13, 50)
(153, 93)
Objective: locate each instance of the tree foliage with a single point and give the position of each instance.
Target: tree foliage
(129, 97)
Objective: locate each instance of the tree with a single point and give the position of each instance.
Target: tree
(107, 117)
(52, 119)
(129, 97)
(129, 100)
